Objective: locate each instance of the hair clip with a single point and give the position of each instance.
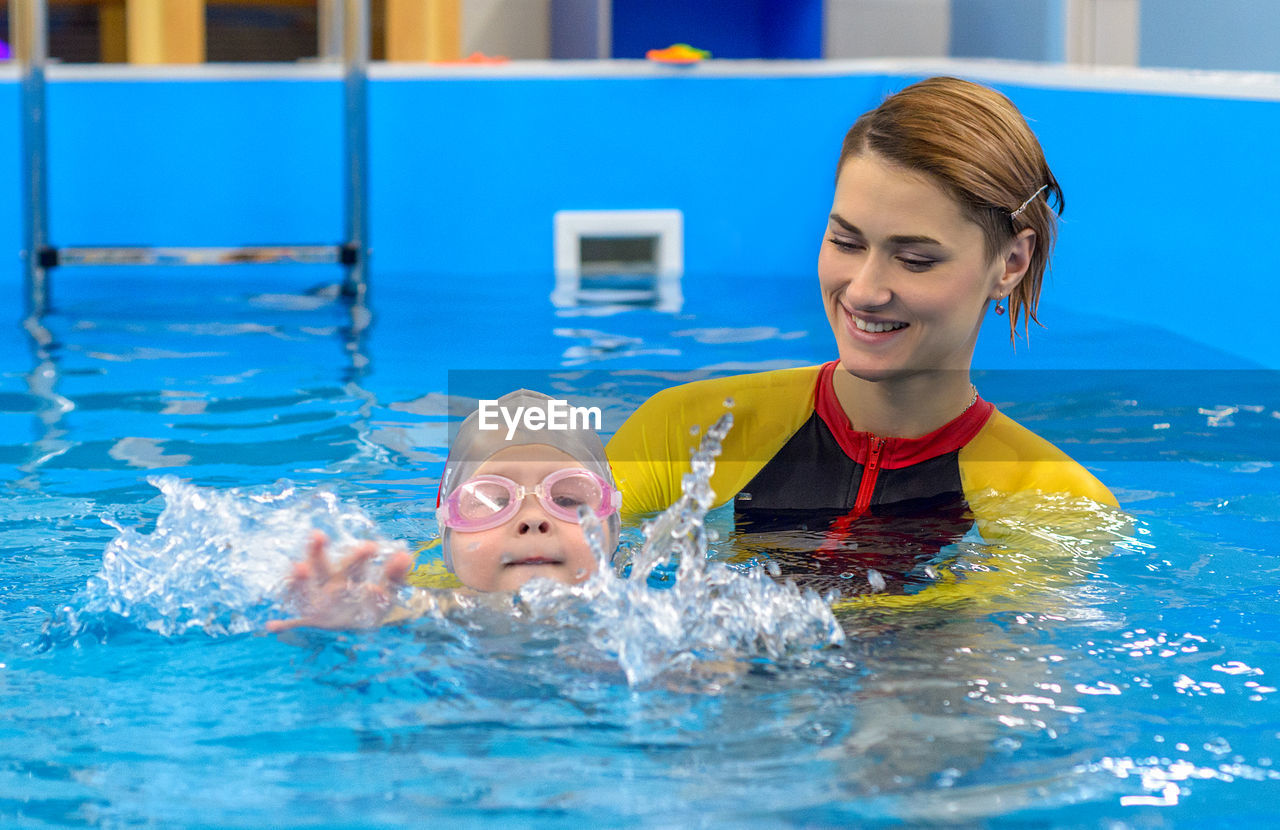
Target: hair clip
(1023, 206)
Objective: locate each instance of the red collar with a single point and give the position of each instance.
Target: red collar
(896, 452)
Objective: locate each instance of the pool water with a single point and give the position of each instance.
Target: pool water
(166, 444)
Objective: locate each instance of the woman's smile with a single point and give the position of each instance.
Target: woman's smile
(874, 325)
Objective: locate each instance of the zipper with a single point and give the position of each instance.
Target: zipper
(841, 527)
(869, 474)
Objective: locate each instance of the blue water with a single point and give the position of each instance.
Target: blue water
(1126, 679)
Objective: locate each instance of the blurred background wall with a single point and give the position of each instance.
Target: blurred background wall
(1222, 34)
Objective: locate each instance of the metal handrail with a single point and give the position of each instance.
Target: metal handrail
(29, 25)
(355, 63)
(350, 28)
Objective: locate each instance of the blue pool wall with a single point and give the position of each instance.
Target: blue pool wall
(1169, 178)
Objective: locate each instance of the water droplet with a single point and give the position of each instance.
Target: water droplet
(876, 580)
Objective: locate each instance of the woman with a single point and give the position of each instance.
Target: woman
(941, 212)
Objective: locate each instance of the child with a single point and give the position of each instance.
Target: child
(507, 510)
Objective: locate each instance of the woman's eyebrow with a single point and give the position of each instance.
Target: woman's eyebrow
(900, 239)
(914, 240)
(845, 223)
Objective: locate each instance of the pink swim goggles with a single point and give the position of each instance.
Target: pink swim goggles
(486, 502)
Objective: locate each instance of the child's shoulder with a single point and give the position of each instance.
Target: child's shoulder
(431, 573)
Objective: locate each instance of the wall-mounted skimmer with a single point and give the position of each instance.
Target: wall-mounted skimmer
(619, 257)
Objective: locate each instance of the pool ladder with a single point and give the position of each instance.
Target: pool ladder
(347, 32)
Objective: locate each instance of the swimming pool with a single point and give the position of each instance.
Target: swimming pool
(1131, 689)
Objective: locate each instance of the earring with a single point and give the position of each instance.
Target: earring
(999, 306)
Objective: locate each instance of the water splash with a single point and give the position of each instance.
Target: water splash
(654, 620)
(215, 562)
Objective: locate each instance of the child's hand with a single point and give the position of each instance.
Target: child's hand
(346, 597)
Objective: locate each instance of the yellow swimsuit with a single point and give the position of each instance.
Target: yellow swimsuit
(792, 455)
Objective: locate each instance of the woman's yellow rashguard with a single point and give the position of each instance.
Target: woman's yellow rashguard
(793, 462)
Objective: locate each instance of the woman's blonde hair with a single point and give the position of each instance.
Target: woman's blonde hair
(976, 145)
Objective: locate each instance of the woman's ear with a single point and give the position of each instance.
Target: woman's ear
(1016, 262)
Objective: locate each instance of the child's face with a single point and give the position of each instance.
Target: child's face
(532, 543)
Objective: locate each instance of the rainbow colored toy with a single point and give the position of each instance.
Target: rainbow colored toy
(681, 54)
